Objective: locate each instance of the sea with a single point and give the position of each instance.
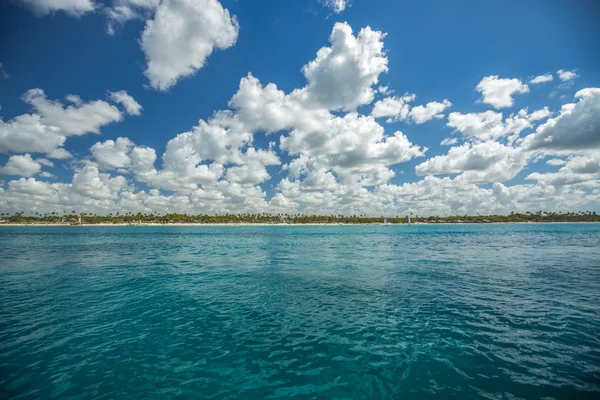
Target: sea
(481, 311)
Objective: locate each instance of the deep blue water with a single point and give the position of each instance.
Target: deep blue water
(344, 312)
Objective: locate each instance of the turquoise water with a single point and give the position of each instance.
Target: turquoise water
(344, 312)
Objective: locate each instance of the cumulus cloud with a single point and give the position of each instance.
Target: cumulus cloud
(77, 119)
(384, 90)
(498, 92)
(266, 108)
(449, 141)
(576, 170)
(122, 11)
(131, 106)
(397, 108)
(47, 128)
(542, 79)
(337, 6)
(351, 141)
(30, 186)
(439, 196)
(324, 155)
(490, 125)
(446, 196)
(342, 76)
(345, 150)
(73, 98)
(479, 163)
(576, 128)
(113, 155)
(74, 8)
(95, 192)
(566, 76)
(89, 191)
(249, 174)
(180, 37)
(429, 196)
(434, 109)
(352, 150)
(89, 182)
(23, 165)
(196, 157)
(206, 141)
(484, 159)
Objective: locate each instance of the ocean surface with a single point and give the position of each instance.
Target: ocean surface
(309, 312)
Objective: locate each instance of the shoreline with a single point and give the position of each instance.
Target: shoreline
(150, 224)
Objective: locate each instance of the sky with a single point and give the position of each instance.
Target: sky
(299, 106)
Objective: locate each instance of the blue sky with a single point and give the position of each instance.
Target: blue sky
(434, 50)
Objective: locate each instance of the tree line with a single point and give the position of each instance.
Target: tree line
(142, 218)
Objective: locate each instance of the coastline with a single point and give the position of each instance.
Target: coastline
(287, 224)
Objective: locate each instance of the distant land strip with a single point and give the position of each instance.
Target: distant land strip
(74, 218)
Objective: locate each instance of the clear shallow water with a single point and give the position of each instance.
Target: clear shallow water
(468, 311)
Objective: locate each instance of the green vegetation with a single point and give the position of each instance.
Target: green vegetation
(130, 218)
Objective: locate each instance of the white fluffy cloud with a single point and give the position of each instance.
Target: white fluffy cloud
(95, 192)
(498, 92)
(576, 128)
(397, 108)
(434, 109)
(113, 155)
(542, 79)
(439, 196)
(206, 141)
(131, 106)
(249, 174)
(27, 133)
(47, 128)
(429, 196)
(544, 197)
(335, 159)
(30, 186)
(351, 142)
(122, 11)
(180, 37)
(89, 191)
(577, 170)
(75, 120)
(566, 76)
(266, 108)
(489, 125)
(75, 8)
(354, 147)
(330, 150)
(89, 182)
(484, 159)
(337, 5)
(24, 165)
(449, 141)
(342, 76)
(479, 163)
(196, 157)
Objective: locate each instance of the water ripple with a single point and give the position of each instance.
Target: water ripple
(300, 312)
